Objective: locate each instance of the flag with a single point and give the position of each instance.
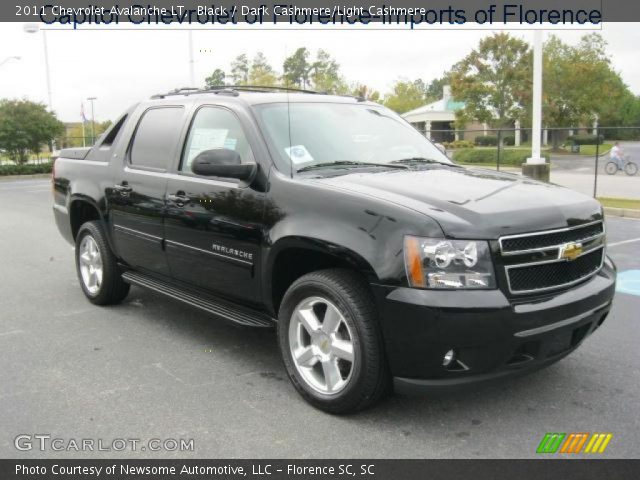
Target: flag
(84, 118)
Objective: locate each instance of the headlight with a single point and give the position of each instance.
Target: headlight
(450, 264)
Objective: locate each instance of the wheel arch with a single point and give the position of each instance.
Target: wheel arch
(83, 209)
(292, 257)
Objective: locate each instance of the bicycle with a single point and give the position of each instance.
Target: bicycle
(629, 167)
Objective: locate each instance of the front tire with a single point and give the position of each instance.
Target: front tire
(97, 267)
(330, 341)
(631, 169)
(611, 168)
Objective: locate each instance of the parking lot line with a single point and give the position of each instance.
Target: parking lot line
(623, 242)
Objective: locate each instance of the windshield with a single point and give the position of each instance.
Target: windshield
(321, 135)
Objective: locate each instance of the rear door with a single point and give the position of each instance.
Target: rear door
(213, 227)
(138, 194)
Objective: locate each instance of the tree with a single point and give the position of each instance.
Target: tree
(433, 91)
(25, 127)
(406, 95)
(364, 91)
(579, 83)
(261, 73)
(216, 79)
(494, 81)
(240, 70)
(325, 74)
(296, 69)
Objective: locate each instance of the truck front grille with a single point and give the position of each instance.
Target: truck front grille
(515, 244)
(540, 261)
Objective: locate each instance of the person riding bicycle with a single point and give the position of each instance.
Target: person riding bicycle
(617, 155)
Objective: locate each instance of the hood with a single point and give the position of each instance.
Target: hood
(476, 203)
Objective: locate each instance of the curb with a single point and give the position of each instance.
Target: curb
(35, 176)
(622, 212)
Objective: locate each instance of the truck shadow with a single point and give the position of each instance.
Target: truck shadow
(253, 355)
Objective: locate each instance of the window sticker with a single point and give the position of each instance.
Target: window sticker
(230, 143)
(206, 139)
(299, 154)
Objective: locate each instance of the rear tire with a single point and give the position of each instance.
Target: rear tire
(97, 267)
(330, 341)
(611, 168)
(631, 168)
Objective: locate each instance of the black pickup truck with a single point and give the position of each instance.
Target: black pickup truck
(383, 264)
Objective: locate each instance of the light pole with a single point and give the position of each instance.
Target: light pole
(536, 165)
(35, 28)
(15, 57)
(93, 121)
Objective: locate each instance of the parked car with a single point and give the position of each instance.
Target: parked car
(382, 264)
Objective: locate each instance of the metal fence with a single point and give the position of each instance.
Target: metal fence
(599, 161)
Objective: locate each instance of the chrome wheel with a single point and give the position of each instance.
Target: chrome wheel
(321, 345)
(90, 262)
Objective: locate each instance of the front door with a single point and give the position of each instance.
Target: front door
(213, 227)
(138, 195)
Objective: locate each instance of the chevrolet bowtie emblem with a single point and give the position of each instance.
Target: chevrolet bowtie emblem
(570, 251)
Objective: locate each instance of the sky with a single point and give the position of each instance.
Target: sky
(123, 67)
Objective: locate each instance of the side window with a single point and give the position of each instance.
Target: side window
(112, 133)
(156, 137)
(214, 128)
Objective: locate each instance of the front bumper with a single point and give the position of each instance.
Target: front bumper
(494, 336)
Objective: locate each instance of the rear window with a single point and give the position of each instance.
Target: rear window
(156, 138)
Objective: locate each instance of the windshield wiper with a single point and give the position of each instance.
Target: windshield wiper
(348, 163)
(414, 160)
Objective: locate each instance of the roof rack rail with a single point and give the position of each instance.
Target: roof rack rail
(232, 88)
(176, 91)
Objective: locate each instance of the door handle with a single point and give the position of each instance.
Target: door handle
(178, 198)
(124, 189)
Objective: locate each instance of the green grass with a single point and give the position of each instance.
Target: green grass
(591, 149)
(629, 203)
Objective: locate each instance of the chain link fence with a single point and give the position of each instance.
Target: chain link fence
(598, 161)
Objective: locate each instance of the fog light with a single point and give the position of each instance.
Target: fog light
(448, 359)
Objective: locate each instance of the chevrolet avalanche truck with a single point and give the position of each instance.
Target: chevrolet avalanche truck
(383, 264)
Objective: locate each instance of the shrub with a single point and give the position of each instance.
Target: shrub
(514, 157)
(486, 140)
(509, 140)
(458, 144)
(585, 139)
(25, 169)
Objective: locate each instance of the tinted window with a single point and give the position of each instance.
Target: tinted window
(215, 128)
(113, 132)
(156, 137)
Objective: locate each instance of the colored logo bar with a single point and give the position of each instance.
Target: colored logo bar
(574, 442)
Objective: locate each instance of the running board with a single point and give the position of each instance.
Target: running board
(226, 310)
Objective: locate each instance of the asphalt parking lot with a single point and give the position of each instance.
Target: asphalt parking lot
(154, 368)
